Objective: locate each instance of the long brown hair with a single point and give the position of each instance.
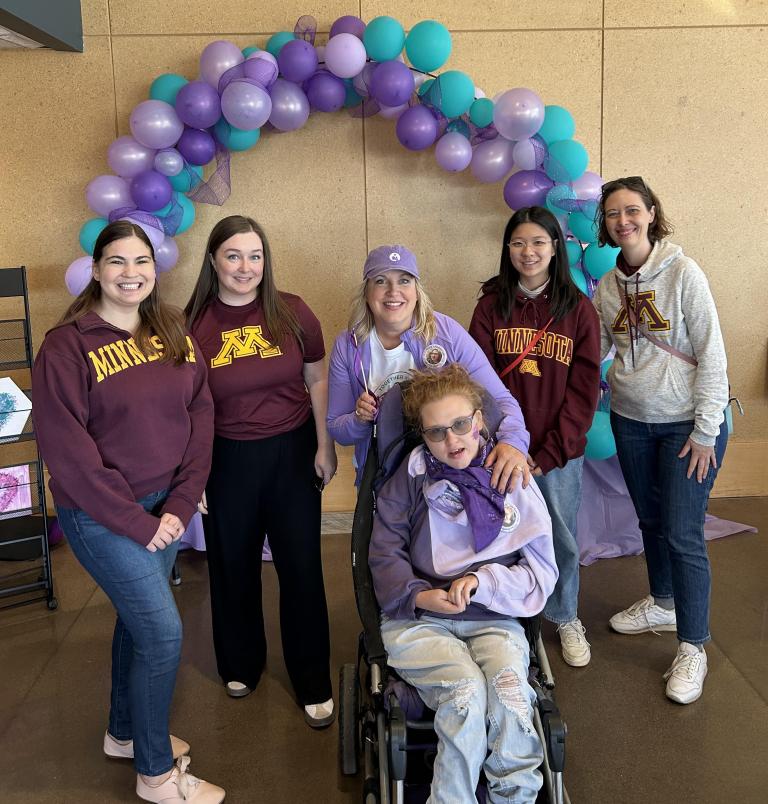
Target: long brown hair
(659, 228)
(155, 316)
(281, 320)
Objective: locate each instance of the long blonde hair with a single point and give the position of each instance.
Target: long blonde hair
(361, 320)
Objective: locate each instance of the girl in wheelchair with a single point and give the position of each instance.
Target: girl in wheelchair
(454, 564)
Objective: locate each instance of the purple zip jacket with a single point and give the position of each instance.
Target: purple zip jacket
(416, 546)
(349, 362)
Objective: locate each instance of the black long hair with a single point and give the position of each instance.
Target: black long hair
(563, 293)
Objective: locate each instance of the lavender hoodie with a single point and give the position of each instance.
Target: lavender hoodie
(346, 384)
(416, 546)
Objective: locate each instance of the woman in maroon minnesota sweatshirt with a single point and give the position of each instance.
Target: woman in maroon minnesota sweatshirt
(543, 337)
(124, 419)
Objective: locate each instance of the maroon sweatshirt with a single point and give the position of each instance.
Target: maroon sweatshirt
(114, 425)
(558, 382)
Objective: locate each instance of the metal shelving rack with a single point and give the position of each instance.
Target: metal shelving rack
(23, 531)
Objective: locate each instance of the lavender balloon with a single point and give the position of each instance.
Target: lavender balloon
(246, 105)
(105, 193)
(150, 190)
(453, 152)
(169, 162)
(529, 154)
(325, 92)
(416, 128)
(127, 157)
(197, 147)
(392, 83)
(492, 160)
(518, 114)
(348, 24)
(392, 112)
(588, 185)
(78, 275)
(155, 124)
(262, 67)
(198, 104)
(166, 255)
(527, 188)
(290, 107)
(217, 58)
(345, 55)
(297, 60)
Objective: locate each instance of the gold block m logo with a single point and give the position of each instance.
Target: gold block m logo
(243, 342)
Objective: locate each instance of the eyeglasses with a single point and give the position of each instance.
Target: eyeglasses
(459, 426)
(538, 244)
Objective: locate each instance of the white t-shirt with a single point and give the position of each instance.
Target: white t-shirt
(388, 366)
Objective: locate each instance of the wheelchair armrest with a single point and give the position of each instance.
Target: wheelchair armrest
(555, 731)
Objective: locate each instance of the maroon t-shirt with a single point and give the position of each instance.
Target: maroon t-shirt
(257, 384)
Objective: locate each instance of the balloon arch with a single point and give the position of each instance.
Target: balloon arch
(185, 125)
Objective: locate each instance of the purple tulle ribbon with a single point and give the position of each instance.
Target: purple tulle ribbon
(306, 28)
(219, 186)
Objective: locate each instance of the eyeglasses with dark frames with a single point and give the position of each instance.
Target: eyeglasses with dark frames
(460, 426)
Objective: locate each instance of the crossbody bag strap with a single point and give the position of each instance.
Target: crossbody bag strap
(531, 345)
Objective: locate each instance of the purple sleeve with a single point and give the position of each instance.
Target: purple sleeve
(465, 351)
(389, 552)
(343, 425)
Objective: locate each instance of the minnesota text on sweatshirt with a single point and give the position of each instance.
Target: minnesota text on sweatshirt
(114, 425)
(670, 296)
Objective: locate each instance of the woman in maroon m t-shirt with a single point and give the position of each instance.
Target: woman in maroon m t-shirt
(271, 457)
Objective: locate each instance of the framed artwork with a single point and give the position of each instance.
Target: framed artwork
(15, 491)
(15, 408)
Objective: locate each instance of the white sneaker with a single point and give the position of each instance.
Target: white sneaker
(319, 715)
(573, 640)
(236, 689)
(644, 616)
(117, 750)
(685, 679)
(179, 787)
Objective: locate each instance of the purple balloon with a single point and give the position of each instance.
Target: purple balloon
(290, 107)
(453, 152)
(166, 255)
(588, 185)
(262, 67)
(150, 190)
(197, 147)
(105, 193)
(492, 160)
(348, 24)
(297, 60)
(392, 83)
(169, 162)
(127, 157)
(217, 58)
(527, 188)
(345, 55)
(246, 105)
(78, 275)
(518, 113)
(416, 128)
(155, 234)
(325, 92)
(155, 124)
(198, 104)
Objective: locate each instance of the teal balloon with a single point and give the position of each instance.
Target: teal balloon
(557, 199)
(428, 45)
(481, 112)
(351, 98)
(604, 369)
(89, 231)
(574, 251)
(189, 177)
(453, 93)
(583, 227)
(276, 41)
(598, 260)
(235, 138)
(600, 441)
(567, 160)
(166, 87)
(250, 50)
(579, 280)
(558, 124)
(188, 215)
(383, 38)
(425, 87)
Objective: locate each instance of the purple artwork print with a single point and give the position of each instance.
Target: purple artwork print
(15, 492)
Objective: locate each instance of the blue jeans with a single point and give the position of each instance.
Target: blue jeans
(561, 489)
(146, 646)
(474, 674)
(670, 509)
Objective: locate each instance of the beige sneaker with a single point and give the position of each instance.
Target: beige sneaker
(179, 787)
(320, 715)
(573, 640)
(117, 750)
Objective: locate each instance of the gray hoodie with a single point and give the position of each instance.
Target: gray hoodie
(672, 298)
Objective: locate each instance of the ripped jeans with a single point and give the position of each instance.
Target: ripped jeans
(473, 673)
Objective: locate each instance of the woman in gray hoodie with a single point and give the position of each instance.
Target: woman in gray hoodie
(668, 392)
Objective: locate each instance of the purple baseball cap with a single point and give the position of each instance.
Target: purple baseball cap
(390, 258)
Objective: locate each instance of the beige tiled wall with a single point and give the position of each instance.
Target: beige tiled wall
(676, 91)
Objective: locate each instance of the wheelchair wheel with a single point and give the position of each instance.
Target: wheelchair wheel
(349, 714)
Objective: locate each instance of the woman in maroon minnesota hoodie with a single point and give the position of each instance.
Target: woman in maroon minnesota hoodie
(543, 337)
(124, 419)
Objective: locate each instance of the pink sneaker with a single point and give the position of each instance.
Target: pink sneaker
(117, 750)
(179, 787)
